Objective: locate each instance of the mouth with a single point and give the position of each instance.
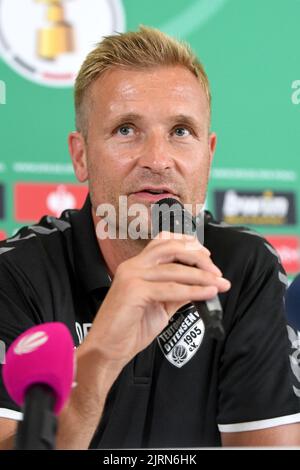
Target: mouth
(154, 194)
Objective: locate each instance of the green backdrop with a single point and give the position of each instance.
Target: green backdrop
(250, 51)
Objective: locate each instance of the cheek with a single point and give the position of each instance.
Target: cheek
(196, 170)
(107, 170)
(196, 161)
(114, 157)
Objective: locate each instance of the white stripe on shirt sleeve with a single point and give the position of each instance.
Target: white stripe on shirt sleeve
(11, 414)
(263, 424)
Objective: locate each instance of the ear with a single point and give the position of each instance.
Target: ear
(77, 149)
(212, 142)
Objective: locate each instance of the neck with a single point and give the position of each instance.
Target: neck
(115, 251)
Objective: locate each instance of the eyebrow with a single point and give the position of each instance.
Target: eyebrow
(127, 117)
(188, 120)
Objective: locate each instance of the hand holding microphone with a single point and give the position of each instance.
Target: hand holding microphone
(147, 290)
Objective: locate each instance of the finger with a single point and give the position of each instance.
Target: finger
(179, 251)
(184, 275)
(175, 292)
(162, 237)
(165, 235)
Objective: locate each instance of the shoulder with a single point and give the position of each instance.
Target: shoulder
(35, 244)
(240, 245)
(231, 234)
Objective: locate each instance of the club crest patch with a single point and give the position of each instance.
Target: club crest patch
(181, 339)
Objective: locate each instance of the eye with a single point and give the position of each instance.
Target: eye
(125, 130)
(181, 131)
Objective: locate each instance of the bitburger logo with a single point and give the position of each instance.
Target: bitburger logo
(182, 338)
(255, 207)
(46, 41)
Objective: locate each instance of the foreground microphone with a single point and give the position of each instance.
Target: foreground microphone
(38, 376)
(170, 215)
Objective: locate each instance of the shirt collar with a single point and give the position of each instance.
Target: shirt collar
(89, 262)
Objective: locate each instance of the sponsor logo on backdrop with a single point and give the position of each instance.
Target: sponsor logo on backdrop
(288, 249)
(46, 41)
(34, 200)
(255, 207)
(3, 235)
(254, 174)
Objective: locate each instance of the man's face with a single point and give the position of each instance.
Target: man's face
(147, 130)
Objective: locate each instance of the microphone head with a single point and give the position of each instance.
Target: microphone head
(45, 355)
(168, 214)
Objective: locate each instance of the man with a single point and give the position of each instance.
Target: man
(147, 371)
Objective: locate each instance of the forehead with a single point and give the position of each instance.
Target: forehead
(171, 88)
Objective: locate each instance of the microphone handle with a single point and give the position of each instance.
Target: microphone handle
(38, 428)
(211, 313)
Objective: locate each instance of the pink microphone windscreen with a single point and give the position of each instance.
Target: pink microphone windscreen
(43, 354)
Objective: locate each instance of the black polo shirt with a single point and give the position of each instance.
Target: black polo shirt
(185, 388)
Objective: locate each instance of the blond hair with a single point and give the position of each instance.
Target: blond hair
(145, 48)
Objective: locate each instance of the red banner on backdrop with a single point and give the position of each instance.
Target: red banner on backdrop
(3, 235)
(288, 248)
(33, 200)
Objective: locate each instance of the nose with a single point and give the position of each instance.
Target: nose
(156, 153)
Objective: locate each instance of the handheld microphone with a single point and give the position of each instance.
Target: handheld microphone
(38, 376)
(170, 215)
